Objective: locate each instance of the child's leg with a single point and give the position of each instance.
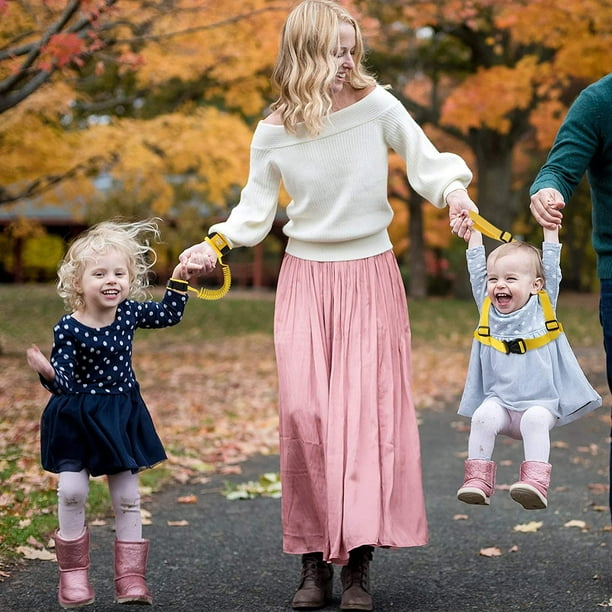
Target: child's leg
(123, 489)
(72, 492)
(489, 420)
(131, 551)
(536, 423)
(72, 540)
(532, 487)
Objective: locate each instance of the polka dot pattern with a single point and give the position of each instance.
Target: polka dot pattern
(99, 360)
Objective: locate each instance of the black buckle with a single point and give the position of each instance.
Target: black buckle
(515, 346)
(552, 325)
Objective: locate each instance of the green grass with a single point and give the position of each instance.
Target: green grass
(29, 313)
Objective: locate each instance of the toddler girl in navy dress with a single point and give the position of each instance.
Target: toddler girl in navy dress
(96, 421)
(523, 378)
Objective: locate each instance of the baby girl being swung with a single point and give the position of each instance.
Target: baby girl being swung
(523, 378)
(96, 422)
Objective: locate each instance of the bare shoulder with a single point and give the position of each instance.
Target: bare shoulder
(274, 118)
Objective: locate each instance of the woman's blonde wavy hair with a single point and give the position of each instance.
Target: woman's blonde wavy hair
(127, 238)
(306, 67)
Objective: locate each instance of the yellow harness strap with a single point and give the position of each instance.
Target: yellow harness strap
(519, 345)
(488, 229)
(217, 242)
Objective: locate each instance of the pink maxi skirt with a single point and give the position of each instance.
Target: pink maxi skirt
(349, 441)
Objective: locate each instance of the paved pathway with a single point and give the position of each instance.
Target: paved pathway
(228, 557)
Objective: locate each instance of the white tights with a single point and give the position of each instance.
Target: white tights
(532, 426)
(72, 492)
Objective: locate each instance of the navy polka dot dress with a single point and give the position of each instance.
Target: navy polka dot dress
(96, 418)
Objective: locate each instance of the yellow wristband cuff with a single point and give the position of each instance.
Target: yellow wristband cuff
(219, 243)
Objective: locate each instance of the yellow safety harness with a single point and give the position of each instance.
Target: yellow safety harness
(483, 332)
(519, 345)
(488, 229)
(221, 247)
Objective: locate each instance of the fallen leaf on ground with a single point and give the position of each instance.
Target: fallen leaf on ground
(460, 517)
(187, 499)
(576, 523)
(592, 449)
(34, 553)
(605, 604)
(559, 444)
(598, 487)
(514, 548)
(268, 485)
(492, 551)
(530, 527)
(182, 523)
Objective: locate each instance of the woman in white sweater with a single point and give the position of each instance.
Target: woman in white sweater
(349, 443)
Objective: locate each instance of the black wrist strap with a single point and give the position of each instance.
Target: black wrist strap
(177, 284)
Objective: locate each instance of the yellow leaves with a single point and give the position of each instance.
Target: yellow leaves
(208, 148)
(486, 98)
(530, 527)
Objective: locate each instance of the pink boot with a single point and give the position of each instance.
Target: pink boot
(478, 482)
(73, 561)
(530, 491)
(130, 568)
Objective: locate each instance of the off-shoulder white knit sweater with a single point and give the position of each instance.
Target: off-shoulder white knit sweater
(338, 181)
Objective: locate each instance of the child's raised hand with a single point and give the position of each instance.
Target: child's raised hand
(39, 363)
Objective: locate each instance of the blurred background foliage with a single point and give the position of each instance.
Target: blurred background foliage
(140, 108)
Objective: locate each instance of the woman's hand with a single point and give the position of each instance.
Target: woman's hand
(198, 260)
(460, 223)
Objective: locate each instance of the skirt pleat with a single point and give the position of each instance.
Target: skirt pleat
(349, 442)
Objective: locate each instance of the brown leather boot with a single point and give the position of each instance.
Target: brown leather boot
(315, 588)
(355, 579)
(130, 569)
(73, 561)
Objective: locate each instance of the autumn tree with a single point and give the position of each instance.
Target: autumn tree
(494, 76)
(141, 92)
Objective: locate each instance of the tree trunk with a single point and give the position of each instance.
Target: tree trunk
(495, 198)
(417, 285)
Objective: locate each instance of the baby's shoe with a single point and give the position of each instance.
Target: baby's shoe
(531, 490)
(478, 482)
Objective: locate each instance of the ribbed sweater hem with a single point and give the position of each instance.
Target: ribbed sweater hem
(358, 248)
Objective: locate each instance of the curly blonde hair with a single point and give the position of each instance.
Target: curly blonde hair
(116, 235)
(305, 68)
